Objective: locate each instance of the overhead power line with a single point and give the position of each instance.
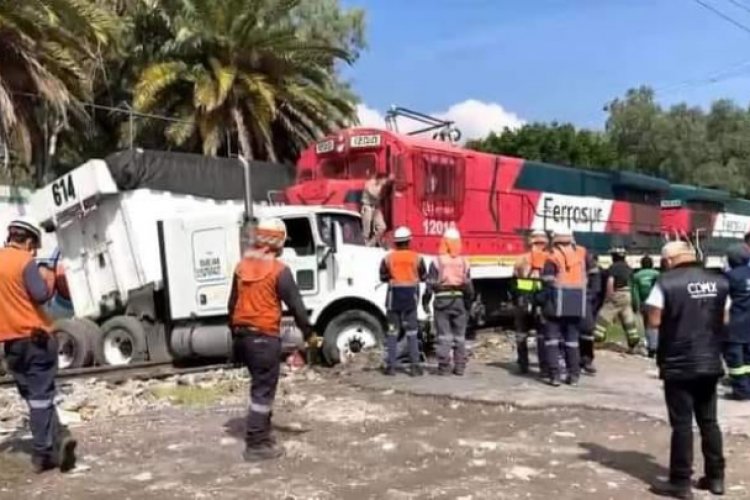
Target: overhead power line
(740, 5)
(722, 15)
(117, 109)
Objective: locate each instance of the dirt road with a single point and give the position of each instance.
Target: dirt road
(368, 444)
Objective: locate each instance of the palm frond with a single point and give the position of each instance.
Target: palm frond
(155, 79)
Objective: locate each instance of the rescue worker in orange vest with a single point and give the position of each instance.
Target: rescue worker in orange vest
(30, 347)
(564, 304)
(403, 269)
(261, 283)
(527, 273)
(449, 281)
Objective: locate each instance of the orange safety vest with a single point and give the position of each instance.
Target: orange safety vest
(530, 264)
(570, 281)
(451, 270)
(571, 266)
(20, 316)
(403, 266)
(258, 305)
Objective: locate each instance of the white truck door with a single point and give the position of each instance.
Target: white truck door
(198, 258)
(300, 254)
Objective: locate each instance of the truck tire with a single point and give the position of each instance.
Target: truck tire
(76, 338)
(123, 342)
(350, 333)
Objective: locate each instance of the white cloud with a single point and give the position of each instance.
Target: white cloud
(475, 119)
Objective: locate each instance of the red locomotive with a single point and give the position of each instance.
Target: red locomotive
(495, 201)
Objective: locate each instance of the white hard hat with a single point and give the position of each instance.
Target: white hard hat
(402, 234)
(27, 224)
(270, 232)
(563, 232)
(452, 233)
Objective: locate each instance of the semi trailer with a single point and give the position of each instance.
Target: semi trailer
(149, 270)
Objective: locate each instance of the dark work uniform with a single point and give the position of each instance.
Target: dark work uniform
(689, 359)
(403, 270)
(258, 289)
(594, 300)
(31, 356)
(737, 345)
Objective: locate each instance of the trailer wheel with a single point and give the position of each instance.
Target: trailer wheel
(350, 333)
(123, 341)
(76, 339)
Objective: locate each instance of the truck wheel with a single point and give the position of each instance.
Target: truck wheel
(123, 341)
(76, 339)
(350, 333)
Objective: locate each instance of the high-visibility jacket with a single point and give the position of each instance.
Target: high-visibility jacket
(569, 281)
(528, 270)
(453, 272)
(20, 316)
(403, 267)
(258, 305)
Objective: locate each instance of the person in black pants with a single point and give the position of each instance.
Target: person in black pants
(688, 307)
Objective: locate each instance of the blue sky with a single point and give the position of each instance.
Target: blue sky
(548, 59)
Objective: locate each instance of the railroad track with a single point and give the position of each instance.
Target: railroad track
(137, 371)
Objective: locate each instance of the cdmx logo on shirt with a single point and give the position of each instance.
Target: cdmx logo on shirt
(702, 289)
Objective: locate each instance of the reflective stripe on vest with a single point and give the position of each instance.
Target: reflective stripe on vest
(403, 267)
(258, 305)
(528, 285)
(451, 270)
(19, 315)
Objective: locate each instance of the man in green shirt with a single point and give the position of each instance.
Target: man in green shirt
(643, 282)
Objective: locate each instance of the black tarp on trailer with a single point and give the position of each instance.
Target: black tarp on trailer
(196, 175)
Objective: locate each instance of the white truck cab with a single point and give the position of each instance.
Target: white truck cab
(149, 271)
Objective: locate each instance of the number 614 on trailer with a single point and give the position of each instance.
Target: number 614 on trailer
(67, 191)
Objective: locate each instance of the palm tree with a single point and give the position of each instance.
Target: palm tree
(242, 68)
(48, 53)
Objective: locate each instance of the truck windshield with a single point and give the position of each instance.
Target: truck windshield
(351, 228)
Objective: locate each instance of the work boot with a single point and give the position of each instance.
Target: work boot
(651, 353)
(42, 463)
(523, 368)
(265, 451)
(588, 368)
(443, 370)
(415, 370)
(573, 381)
(65, 450)
(389, 370)
(715, 486)
(459, 370)
(553, 380)
(672, 490)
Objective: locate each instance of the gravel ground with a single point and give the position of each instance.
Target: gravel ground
(342, 442)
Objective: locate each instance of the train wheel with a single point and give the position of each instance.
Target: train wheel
(123, 342)
(76, 339)
(349, 334)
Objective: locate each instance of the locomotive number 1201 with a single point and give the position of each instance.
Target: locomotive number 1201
(436, 227)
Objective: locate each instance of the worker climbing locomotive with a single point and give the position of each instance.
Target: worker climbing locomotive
(497, 201)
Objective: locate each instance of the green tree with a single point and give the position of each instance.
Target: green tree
(49, 50)
(554, 143)
(256, 71)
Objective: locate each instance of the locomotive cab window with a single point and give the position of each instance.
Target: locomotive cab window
(362, 166)
(440, 183)
(334, 168)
